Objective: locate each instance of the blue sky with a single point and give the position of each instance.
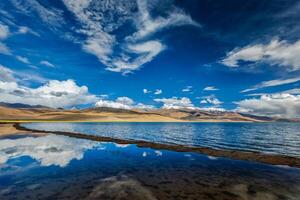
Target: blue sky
(215, 55)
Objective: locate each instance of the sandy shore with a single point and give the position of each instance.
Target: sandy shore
(7, 129)
(234, 154)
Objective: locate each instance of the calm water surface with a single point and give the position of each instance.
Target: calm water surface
(275, 138)
(59, 167)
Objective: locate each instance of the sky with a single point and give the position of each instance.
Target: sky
(213, 55)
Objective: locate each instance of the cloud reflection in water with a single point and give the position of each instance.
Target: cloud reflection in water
(47, 150)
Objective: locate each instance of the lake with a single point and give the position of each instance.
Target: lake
(53, 166)
(269, 138)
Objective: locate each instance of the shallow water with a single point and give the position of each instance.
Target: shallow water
(274, 138)
(61, 167)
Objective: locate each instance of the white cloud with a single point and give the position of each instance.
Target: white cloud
(145, 91)
(4, 49)
(187, 89)
(122, 103)
(23, 30)
(271, 83)
(213, 101)
(213, 109)
(281, 105)
(176, 103)
(292, 91)
(52, 94)
(98, 22)
(4, 31)
(158, 91)
(23, 59)
(26, 30)
(28, 76)
(144, 106)
(99, 19)
(125, 101)
(146, 51)
(52, 17)
(212, 104)
(48, 150)
(210, 88)
(6, 75)
(47, 63)
(146, 25)
(277, 52)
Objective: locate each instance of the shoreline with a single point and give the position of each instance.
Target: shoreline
(272, 159)
(127, 121)
(8, 129)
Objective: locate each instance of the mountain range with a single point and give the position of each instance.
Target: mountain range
(23, 112)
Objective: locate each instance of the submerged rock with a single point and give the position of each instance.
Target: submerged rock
(120, 188)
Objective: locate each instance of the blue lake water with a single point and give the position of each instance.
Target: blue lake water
(274, 138)
(52, 167)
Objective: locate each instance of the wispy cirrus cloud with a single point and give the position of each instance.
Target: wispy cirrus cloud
(4, 49)
(210, 88)
(147, 25)
(277, 52)
(6, 74)
(4, 33)
(47, 63)
(51, 16)
(27, 30)
(130, 52)
(23, 59)
(97, 28)
(272, 83)
(294, 91)
(187, 89)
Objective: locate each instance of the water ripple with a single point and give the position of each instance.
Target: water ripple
(275, 138)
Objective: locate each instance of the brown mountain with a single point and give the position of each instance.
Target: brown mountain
(28, 113)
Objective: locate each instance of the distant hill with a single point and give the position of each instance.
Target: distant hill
(36, 113)
(21, 105)
(108, 109)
